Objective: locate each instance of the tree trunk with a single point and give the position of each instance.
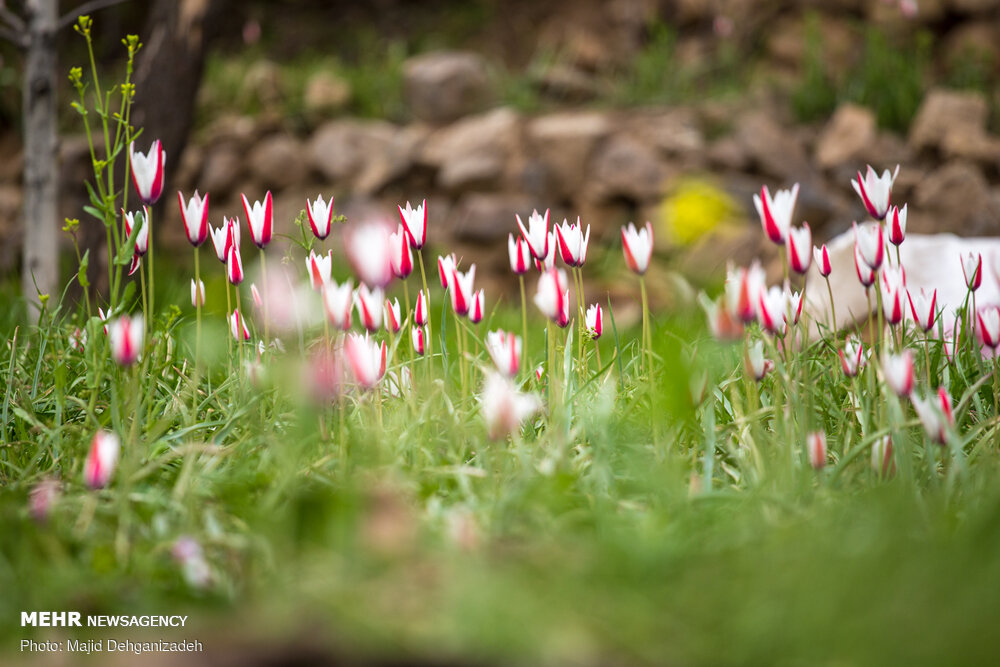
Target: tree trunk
(40, 272)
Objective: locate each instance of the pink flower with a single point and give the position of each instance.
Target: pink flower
(816, 444)
(638, 247)
(893, 287)
(520, 255)
(772, 310)
(573, 242)
(504, 407)
(896, 222)
(238, 326)
(338, 300)
(536, 234)
(898, 372)
(258, 300)
(319, 268)
(972, 269)
(776, 213)
(126, 334)
(102, 458)
(320, 216)
(197, 293)
(369, 303)
(875, 191)
(147, 171)
(550, 260)
(366, 359)
(446, 264)
(935, 414)
(460, 287)
(882, 457)
(594, 321)
(104, 317)
(870, 244)
(418, 337)
(142, 235)
(552, 296)
(234, 266)
(136, 263)
(219, 237)
(478, 310)
(195, 216)
(822, 257)
(260, 218)
(420, 311)
(794, 304)
(415, 223)
(922, 307)
(866, 275)
(851, 357)
(988, 326)
(393, 322)
(800, 248)
(756, 363)
(505, 350)
(368, 251)
(743, 287)
(401, 259)
(44, 495)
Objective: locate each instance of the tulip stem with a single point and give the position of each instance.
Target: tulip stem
(197, 308)
(524, 324)
(578, 279)
(407, 336)
(646, 338)
(149, 252)
(142, 288)
(267, 320)
(427, 295)
(833, 309)
(229, 339)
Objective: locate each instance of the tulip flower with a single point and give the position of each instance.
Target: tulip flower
(721, 322)
(552, 296)
(794, 300)
(393, 322)
(366, 359)
(756, 363)
(319, 268)
(520, 255)
(478, 309)
(550, 260)
(882, 456)
(743, 287)
(136, 263)
(772, 310)
(539, 373)
(195, 217)
(260, 219)
(870, 243)
(776, 213)
(898, 372)
(866, 275)
(104, 317)
(421, 310)
(935, 413)
(896, 222)
(573, 242)
(415, 223)
(102, 458)
(126, 334)
(219, 237)
(401, 259)
(446, 264)
(238, 326)
(460, 287)
(197, 293)
(851, 357)
(893, 288)
(142, 235)
(504, 407)
(638, 247)
(234, 266)
(922, 308)
(816, 445)
(258, 301)
(536, 234)
(78, 339)
(505, 350)
(338, 300)
(972, 270)
(42, 498)
(988, 326)
(594, 321)
(369, 252)
(147, 171)
(418, 337)
(875, 191)
(369, 304)
(822, 257)
(320, 216)
(188, 554)
(800, 248)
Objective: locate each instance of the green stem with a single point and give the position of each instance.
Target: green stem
(646, 338)
(524, 324)
(267, 320)
(427, 295)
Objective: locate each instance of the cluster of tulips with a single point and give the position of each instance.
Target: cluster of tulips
(346, 360)
(752, 311)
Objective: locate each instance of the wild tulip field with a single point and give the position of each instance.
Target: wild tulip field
(376, 457)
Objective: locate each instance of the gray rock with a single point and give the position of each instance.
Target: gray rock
(325, 93)
(342, 150)
(277, 162)
(221, 171)
(845, 137)
(775, 151)
(473, 150)
(487, 218)
(624, 167)
(442, 86)
(563, 144)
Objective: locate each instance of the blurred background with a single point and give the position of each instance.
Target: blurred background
(673, 111)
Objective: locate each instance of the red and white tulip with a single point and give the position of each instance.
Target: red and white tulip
(505, 350)
(893, 288)
(772, 309)
(935, 413)
(369, 303)
(195, 217)
(520, 255)
(147, 171)
(338, 300)
(822, 257)
(446, 264)
(882, 456)
(896, 225)
(505, 407)
(573, 242)
(552, 296)
(816, 445)
(988, 326)
(366, 359)
(415, 223)
(638, 247)
(238, 326)
(393, 321)
(127, 336)
(197, 293)
(972, 270)
(866, 275)
(898, 372)
(875, 191)
(319, 268)
(368, 251)
(800, 248)
(536, 234)
(102, 459)
(852, 357)
(922, 307)
(870, 243)
(234, 266)
(320, 214)
(260, 219)
(776, 212)
(418, 338)
(401, 259)
(141, 218)
(743, 287)
(421, 312)
(594, 321)
(478, 310)
(756, 363)
(460, 287)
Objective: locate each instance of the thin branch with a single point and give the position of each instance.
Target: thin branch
(85, 8)
(12, 19)
(16, 38)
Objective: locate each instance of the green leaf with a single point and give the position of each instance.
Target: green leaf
(124, 256)
(94, 212)
(81, 274)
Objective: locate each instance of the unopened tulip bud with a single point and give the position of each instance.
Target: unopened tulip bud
(102, 458)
